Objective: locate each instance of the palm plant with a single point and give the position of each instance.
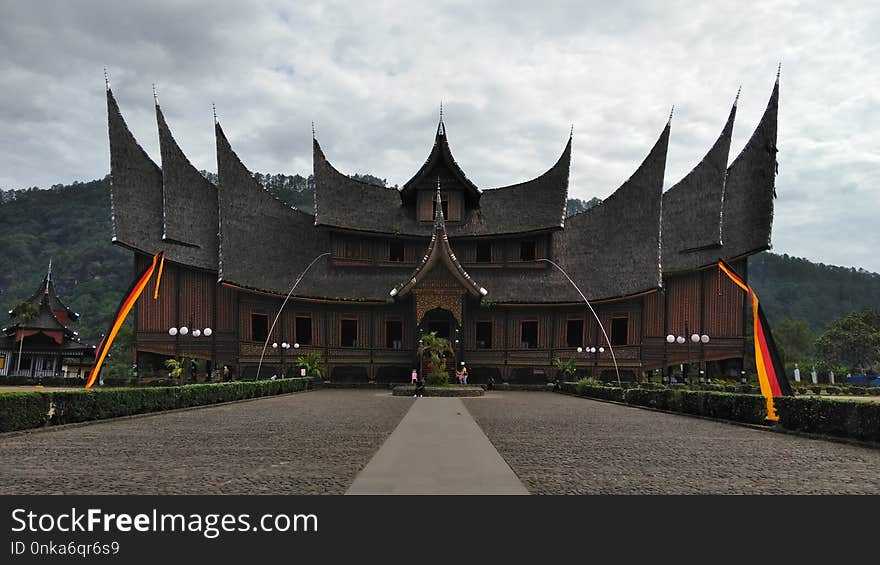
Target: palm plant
(175, 367)
(312, 363)
(566, 368)
(435, 348)
(23, 312)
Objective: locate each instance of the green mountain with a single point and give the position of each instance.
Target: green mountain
(70, 224)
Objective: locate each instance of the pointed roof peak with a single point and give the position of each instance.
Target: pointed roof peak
(48, 276)
(438, 211)
(214, 109)
(314, 135)
(571, 132)
(671, 113)
(155, 95)
(778, 72)
(106, 79)
(736, 100)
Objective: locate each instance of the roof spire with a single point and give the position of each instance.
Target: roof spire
(155, 95)
(49, 275)
(571, 133)
(313, 131)
(438, 214)
(441, 110)
(778, 71)
(736, 100)
(106, 79)
(214, 108)
(671, 112)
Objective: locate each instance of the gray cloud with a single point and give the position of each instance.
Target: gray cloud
(513, 77)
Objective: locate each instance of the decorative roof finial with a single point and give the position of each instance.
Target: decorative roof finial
(778, 71)
(106, 79)
(441, 110)
(671, 112)
(214, 108)
(571, 133)
(49, 275)
(313, 131)
(155, 95)
(736, 100)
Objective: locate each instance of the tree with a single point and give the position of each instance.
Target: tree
(312, 363)
(795, 340)
(852, 341)
(23, 312)
(435, 349)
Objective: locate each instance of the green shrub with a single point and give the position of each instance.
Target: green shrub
(29, 410)
(853, 419)
(586, 387)
(746, 408)
(23, 410)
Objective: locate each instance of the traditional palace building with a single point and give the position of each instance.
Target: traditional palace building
(440, 254)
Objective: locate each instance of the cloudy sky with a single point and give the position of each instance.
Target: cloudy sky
(513, 78)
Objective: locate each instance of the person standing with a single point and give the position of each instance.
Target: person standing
(415, 376)
(464, 375)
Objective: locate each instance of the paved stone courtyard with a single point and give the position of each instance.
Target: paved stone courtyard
(560, 444)
(319, 442)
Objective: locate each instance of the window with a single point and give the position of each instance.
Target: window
(348, 330)
(527, 251)
(574, 333)
(484, 252)
(2, 361)
(619, 331)
(303, 330)
(395, 251)
(350, 250)
(529, 331)
(259, 327)
(484, 335)
(393, 334)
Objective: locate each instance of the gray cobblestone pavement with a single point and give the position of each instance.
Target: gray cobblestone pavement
(311, 443)
(560, 444)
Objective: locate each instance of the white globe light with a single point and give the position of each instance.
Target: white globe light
(592, 350)
(601, 350)
(197, 333)
(704, 338)
(695, 338)
(462, 363)
(208, 332)
(296, 346)
(670, 338)
(172, 331)
(275, 345)
(184, 330)
(580, 349)
(285, 345)
(680, 339)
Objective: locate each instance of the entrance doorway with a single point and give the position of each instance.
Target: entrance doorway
(443, 323)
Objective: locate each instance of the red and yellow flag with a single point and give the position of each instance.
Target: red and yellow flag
(771, 372)
(134, 292)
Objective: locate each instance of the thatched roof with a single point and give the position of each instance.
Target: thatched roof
(692, 209)
(189, 201)
(613, 248)
(530, 206)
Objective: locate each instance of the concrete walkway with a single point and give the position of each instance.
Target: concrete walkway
(437, 448)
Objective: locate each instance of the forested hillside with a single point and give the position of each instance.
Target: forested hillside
(70, 224)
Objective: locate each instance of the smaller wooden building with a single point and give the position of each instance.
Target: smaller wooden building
(44, 346)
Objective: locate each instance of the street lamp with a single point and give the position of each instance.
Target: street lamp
(695, 338)
(185, 331)
(278, 315)
(590, 306)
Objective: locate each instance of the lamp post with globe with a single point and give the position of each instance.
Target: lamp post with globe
(594, 351)
(284, 347)
(186, 332)
(694, 338)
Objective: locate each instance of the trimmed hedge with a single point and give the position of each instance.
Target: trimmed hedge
(19, 411)
(841, 418)
(23, 410)
(747, 408)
